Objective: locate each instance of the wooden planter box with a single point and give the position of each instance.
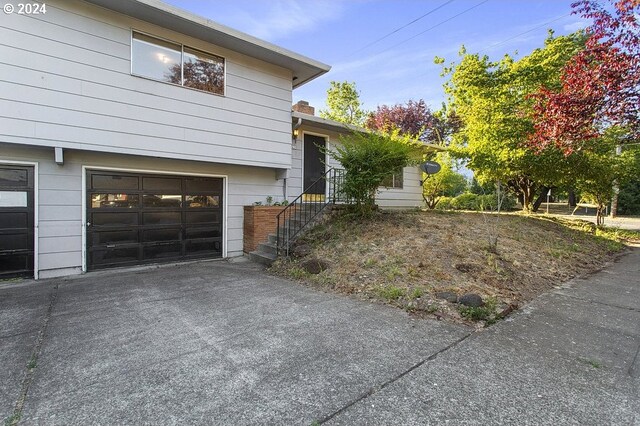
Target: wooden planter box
(259, 222)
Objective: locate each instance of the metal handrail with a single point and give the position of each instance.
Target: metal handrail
(307, 206)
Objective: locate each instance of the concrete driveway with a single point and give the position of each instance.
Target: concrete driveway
(208, 342)
(221, 343)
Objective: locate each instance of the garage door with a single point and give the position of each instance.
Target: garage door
(16, 221)
(140, 218)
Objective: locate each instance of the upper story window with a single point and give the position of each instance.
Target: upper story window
(174, 63)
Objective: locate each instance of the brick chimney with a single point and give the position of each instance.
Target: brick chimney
(304, 107)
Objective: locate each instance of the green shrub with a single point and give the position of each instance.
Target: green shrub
(445, 203)
(466, 201)
(469, 201)
(490, 202)
(369, 158)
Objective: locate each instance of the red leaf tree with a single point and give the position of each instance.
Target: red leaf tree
(600, 85)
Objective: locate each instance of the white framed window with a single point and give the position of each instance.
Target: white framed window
(174, 63)
(395, 180)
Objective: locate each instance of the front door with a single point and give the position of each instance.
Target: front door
(16, 221)
(314, 165)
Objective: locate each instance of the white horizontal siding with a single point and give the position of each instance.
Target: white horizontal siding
(410, 195)
(65, 81)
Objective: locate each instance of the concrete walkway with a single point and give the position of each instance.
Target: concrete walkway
(220, 343)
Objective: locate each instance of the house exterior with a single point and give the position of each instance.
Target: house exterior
(132, 132)
(401, 191)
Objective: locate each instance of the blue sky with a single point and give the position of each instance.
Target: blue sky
(343, 34)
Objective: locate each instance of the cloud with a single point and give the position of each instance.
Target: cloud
(277, 19)
(575, 26)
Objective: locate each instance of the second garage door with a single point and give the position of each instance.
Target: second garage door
(141, 218)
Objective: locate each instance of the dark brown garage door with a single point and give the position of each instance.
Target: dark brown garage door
(16, 221)
(140, 218)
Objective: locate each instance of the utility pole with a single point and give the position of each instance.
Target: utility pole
(616, 190)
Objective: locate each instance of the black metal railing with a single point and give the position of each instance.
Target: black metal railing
(328, 189)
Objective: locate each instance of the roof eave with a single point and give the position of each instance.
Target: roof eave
(303, 69)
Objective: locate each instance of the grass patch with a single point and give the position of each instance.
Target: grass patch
(297, 273)
(12, 420)
(593, 363)
(390, 292)
(33, 363)
(480, 313)
(416, 293)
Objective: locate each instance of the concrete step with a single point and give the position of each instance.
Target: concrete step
(272, 238)
(270, 248)
(262, 257)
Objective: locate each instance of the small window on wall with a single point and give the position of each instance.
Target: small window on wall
(394, 180)
(177, 64)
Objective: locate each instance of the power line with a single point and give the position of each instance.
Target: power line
(403, 27)
(435, 26)
(525, 32)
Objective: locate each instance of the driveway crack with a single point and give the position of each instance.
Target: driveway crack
(372, 391)
(33, 361)
(634, 369)
(595, 302)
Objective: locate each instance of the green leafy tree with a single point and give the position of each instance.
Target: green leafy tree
(369, 158)
(629, 197)
(492, 101)
(446, 183)
(343, 102)
(598, 168)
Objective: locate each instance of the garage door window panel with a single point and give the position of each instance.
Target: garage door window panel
(202, 201)
(112, 219)
(116, 237)
(115, 255)
(202, 217)
(162, 218)
(158, 251)
(14, 242)
(112, 201)
(161, 235)
(203, 246)
(114, 182)
(203, 232)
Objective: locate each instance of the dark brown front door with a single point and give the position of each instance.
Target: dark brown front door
(16, 221)
(314, 163)
(142, 218)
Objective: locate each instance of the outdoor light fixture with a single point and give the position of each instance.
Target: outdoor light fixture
(296, 132)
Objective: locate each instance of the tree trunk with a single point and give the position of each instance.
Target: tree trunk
(527, 188)
(541, 198)
(572, 198)
(600, 214)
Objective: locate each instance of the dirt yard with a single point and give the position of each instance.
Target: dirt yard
(416, 260)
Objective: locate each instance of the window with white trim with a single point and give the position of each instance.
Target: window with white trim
(175, 63)
(395, 180)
